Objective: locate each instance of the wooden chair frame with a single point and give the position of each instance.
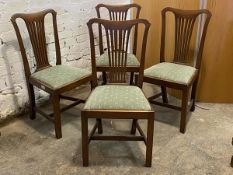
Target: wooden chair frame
(118, 13)
(116, 69)
(184, 21)
(35, 26)
(232, 156)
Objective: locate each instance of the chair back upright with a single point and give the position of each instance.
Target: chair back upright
(118, 13)
(36, 30)
(184, 26)
(117, 39)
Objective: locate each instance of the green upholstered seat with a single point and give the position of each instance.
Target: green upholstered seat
(103, 60)
(171, 72)
(60, 75)
(117, 97)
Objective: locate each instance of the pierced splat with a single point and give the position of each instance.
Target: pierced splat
(185, 21)
(117, 39)
(183, 32)
(117, 42)
(118, 13)
(36, 30)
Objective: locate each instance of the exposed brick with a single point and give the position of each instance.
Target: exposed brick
(74, 42)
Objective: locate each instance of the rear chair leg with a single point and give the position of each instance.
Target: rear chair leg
(232, 156)
(57, 115)
(133, 129)
(136, 79)
(149, 146)
(84, 139)
(164, 94)
(104, 75)
(193, 96)
(184, 111)
(232, 161)
(31, 93)
(100, 127)
(131, 78)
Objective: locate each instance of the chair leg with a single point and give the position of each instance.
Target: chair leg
(184, 111)
(149, 146)
(104, 75)
(193, 96)
(164, 94)
(136, 79)
(32, 112)
(232, 161)
(84, 139)
(92, 85)
(133, 129)
(57, 115)
(131, 78)
(232, 156)
(100, 127)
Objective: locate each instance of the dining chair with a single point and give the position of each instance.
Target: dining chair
(117, 100)
(183, 72)
(118, 13)
(54, 80)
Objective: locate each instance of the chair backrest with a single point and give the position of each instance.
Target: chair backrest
(36, 30)
(117, 38)
(184, 27)
(118, 13)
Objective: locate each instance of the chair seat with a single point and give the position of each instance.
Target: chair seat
(103, 60)
(117, 97)
(171, 72)
(61, 75)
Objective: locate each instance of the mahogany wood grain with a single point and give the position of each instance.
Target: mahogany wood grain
(184, 28)
(117, 36)
(36, 29)
(118, 13)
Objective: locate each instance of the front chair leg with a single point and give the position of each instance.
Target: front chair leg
(149, 145)
(164, 94)
(184, 111)
(133, 129)
(32, 102)
(85, 153)
(57, 115)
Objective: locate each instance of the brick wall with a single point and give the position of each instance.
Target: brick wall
(74, 40)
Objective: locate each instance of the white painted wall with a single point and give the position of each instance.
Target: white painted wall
(74, 40)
